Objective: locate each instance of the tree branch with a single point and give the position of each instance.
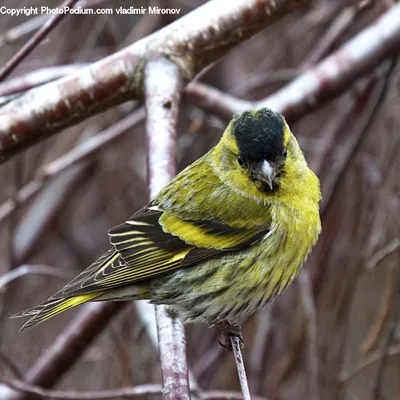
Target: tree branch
(323, 82)
(78, 154)
(25, 269)
(35, 40)
(192, 43)
(69, 345)
(163, 86)
(123, 393)
(235, 341)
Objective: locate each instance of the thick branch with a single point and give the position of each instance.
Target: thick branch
(338, 71)
(163, 91)
(323, 82)
(192, 42)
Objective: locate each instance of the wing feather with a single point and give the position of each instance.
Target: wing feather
(153, 242)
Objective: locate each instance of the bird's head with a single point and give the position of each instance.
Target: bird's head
(258, 154)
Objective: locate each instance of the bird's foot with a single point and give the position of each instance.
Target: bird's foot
(229, 331)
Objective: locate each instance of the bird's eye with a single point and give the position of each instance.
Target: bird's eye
(240, 161)
(284, 153)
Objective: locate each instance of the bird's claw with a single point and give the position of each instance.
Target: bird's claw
(230, 331)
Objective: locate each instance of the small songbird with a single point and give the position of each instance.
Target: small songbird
(223, 238)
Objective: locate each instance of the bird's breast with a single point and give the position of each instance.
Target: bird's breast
(282, 252)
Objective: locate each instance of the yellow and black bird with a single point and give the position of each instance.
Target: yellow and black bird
(223, 238)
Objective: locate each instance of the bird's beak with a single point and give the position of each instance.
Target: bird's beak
(268, 173)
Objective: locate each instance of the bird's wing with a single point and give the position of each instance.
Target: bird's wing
(153, 242)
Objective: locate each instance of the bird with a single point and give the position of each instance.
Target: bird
(224, 237)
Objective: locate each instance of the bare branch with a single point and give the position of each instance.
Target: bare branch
(23, 195)
(226, 395)
(18, 32)
(78, 154)
(376, 331)
(338, 28)
(310, 312)
(23, 270)
(235, 341)
(371, 360)
(259, 344)
(192, 42)
(163, 88)
(123, 393)
(382, 254)
(360, 133)
(391, 336)
(36, 78)
(10, 365)
(36, 39)
(338, 71)
(47, 203)
(328, 79)
(71, 343)
(145, 311)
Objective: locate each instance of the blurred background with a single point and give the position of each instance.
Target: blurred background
(334, 333)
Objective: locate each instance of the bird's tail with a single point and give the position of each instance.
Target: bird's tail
(52, 307)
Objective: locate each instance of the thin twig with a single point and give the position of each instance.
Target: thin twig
(325, 81)
(377, 387)
(285, 364)
(308, 302)
(344, 111)
(35, 40)
(207, 360)
(338, 28)
(260, 340)
(382, 254)
(36, 78)
(46, 205)
(123, 393)
(236, 348)
(17, 182)
(10, 364)
(360, 133)
(226, 395)
(78, 154)
(371, 360)
(256, 81)
(73, 340)
(18, 32)
(382, 316)
(25, 269)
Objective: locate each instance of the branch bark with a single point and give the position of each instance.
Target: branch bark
(317, 85)
(163, 86)
(192, 43)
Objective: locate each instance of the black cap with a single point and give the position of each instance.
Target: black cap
(259, 135)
